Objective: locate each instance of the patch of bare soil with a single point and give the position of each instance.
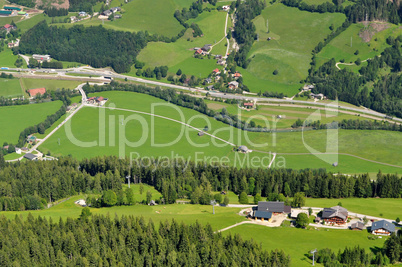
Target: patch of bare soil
(371, 29)
(53, 3)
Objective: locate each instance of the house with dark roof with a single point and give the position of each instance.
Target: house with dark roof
(30, 156)
(382, 227)
(357, 226)
(244, 149)
(206, 47)
(337, 214)
(262, 215)
(275, 207)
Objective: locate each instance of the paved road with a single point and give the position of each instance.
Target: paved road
(94, 72)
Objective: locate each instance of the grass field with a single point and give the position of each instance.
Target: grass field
(14, 119)
(50, 85)
(294, 34)
(181, 212)
(85, 127)
(345, 45)
(298, 242)
(289, 114)
(10, 88)
(179, 55)
(7, 58)
(390, 208)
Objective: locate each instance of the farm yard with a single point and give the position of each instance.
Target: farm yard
(294, 35)
(85, 126)
(14, 119)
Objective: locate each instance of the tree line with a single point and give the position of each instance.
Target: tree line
(390, 253)
(55, 12)
(350, 125)
(127, 241)
(78, 5)
(95, 46)
(27, 3)
(48, 181)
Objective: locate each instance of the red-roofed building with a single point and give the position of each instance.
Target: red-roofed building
(237, 75)
(248, 105)
(34, 92)
(199, 51)
(9, 27)
(216, 71)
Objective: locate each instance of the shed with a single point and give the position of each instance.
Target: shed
(244, 149)
(30, 156)
(200, 133)
(357, 226)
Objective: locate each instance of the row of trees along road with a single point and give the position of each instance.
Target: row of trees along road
(48, 181)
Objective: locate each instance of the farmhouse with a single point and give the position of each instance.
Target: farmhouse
(236, 75)
(244, 149)
(233, 85)
(41, 57)
(34, 92)
(208, 80)
(221, 62)
(248, 105)
(115, 9)
(82, 14)
(5, 13)
(336, 214)
(30, 156)
(206, 47)
(357, 226)
(216, 71)
(262, 215)
(9, 27)
(97, 100)
(274, 207)
(199, 52)
(225, 8)
(382, 227)
(11, 8)
(14, 44)
(107, 13)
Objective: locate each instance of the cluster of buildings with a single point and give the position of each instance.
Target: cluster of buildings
(202, 50)
(266, 210)
(111, 11)
(11, 11)
(41, 58)
(96, 100)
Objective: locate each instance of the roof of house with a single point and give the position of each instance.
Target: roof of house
(216, 70)
(273, 206)
(201, 133)
(249, 104)
(8, 26)
(237, 74)
(234, 83)
(34, 92)
(5, 12)
(336, 211)
(263, 214)
(30, 156)
(357, 225)
(244, 148)
(383, 224)
(11, 8)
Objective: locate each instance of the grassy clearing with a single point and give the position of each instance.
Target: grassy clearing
(185, 142)
(390, 208)
(181, 212)
(179, 55)
(14, 119)
(10, 88)
(298, 242)
(50, 85)
(345, 45)
(7, 58)
(289, 114)
(294, 34)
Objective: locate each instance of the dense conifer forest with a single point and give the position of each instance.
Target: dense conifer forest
(125, 241)
(31, 185)
(95, 46)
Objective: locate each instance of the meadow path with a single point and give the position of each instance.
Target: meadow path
(166, 118)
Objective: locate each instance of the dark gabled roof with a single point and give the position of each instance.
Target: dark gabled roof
(383, 224)
(336, 211)
(263, 214)
(357, 225)
(271, 206)
(30, 156)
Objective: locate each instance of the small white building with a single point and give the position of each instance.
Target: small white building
(81, 202)
(41, 57)
(244, 149)
(18, 150)
(225, 8)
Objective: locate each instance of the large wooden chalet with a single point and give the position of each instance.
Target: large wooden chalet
(382, 227)
(266, 209)
(337, 214)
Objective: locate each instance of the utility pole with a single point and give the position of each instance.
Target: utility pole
(313, 252)
(128, 180)
(213, 202)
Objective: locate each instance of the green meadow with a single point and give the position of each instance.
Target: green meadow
(10, 88)
(179, 55)
(298, 242)
(14, 119)
(389, 208)
(50, 85)
(294, 35)
(7, 58)
(344, 46)
(148, 137)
